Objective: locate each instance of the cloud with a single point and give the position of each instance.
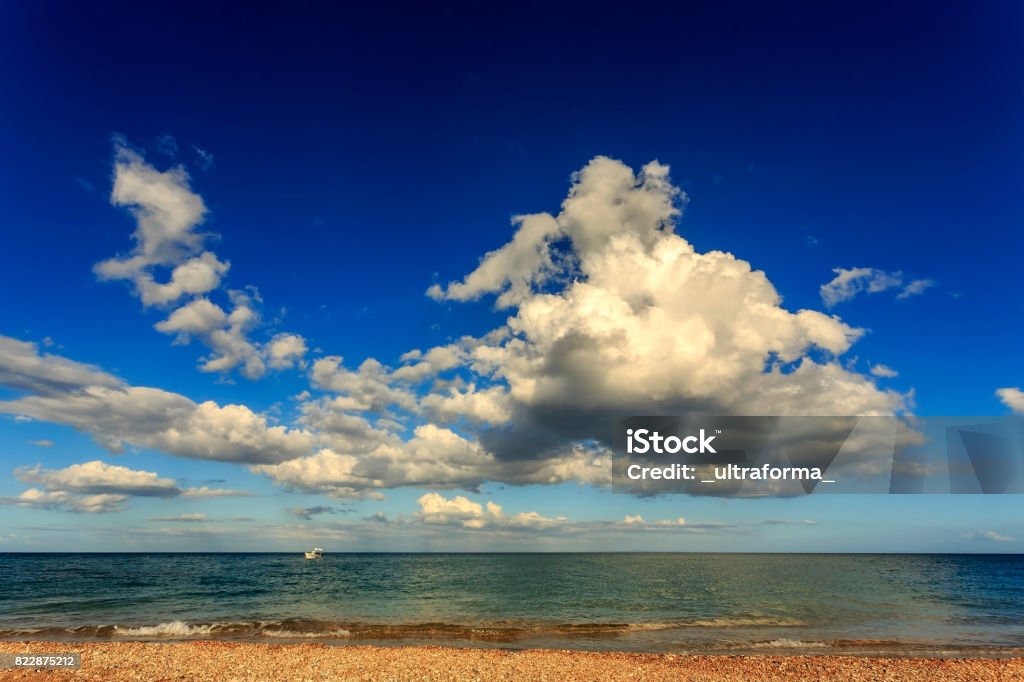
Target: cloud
(114, 413)
(205, 158)
(97, 477)
(23, 367)
(41, 443)
(849, 282)
(199, 316)
(183, 518)
(918, 286)
(370, 387)
(204, 491)
(1012, 398)
(226, 334)
(522, 263)
(153, 418)
(436, 509)
(433, 457)
(988, 535)
(167, 214)
(34, 498)
(286, 350)
(98, 487)
(308, 513)
(167, 145)
(610, 312)
(628, 318)
(463, 514)
(169, 262)
(883, 371)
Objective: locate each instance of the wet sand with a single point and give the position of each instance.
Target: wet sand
(211, 660)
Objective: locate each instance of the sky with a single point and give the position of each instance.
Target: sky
(377, 279)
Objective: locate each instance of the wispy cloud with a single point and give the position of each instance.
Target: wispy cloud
(215, 492)
(883, 371)
(308, 513)
(988, 535)
(850, 282)
(183, 518)
(205, 158)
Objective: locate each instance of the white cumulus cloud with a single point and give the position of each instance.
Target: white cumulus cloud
(169, 262)
(1012, 398)
(114, 413)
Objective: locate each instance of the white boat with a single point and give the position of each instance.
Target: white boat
(317, 553)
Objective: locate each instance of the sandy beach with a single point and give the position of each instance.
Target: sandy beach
(206, 660)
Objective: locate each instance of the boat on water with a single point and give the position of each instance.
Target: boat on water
(317, 553)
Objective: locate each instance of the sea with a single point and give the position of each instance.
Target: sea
(857, 604)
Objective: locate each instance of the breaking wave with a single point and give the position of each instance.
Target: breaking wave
(499, 631)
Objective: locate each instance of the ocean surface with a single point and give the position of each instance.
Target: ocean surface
(687, 603)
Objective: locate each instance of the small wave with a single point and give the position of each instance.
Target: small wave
(178, 629)
(786, 643)
(741, 622)
(339, 633)
(174, 628)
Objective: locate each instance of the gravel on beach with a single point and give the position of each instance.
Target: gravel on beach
(212, 660)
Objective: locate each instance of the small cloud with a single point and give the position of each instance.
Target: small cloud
(811, 240)
(205, 158)
(308, 513)
(883, 371)
(918, 286)
(41, 443)
(215, 492)
(849, 282)
(61, 500)
(167, 145)
(990, 535)
(1012, 398)
(379, 517)
(183, 518)
(84, 184)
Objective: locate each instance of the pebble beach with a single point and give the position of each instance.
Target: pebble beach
(212, 660)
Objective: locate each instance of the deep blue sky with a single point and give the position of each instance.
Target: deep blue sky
(361, 154)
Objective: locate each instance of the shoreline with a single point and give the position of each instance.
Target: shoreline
(219, 660)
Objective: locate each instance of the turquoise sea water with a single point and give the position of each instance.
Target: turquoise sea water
(699, 603)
